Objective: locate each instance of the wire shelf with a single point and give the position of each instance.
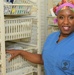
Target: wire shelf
(19, 65)
(17, 9)
(18, 28)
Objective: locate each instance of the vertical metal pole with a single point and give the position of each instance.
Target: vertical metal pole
(39, 34)
(2, 38)
(41, 26)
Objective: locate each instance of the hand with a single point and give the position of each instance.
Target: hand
(13, 53)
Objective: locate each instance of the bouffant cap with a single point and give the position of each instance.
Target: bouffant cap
(63, 5)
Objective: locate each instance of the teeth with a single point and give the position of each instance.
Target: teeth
(66, 28)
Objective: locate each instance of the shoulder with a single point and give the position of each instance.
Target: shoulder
(52, 35)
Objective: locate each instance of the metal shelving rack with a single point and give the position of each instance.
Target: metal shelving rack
(41, 33)
(8, 28)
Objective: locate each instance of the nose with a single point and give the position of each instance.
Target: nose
(66, 21)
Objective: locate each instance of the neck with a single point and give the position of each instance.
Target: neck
(62, 36)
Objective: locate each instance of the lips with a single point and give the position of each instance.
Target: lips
(66, 28)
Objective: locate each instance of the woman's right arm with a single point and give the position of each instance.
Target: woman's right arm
(34, 58)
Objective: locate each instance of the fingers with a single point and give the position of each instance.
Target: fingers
(9, 51)
(12, 57)
(12, 53)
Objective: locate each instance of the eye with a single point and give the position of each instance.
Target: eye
(60, 17)
(71, 17)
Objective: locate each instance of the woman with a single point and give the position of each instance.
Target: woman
(58, 51)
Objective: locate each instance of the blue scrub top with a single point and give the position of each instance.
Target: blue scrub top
(59, 57)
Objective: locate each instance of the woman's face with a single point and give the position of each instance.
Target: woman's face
(66, 21)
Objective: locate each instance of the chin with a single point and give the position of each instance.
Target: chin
(66, 33)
